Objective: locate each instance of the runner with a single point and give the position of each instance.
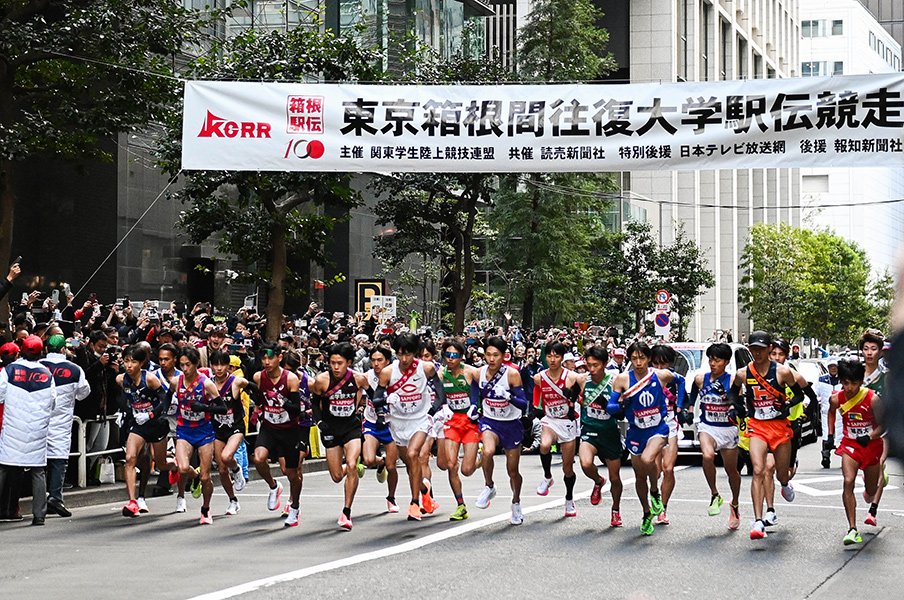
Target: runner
(338, 404)
(230, 430)
(143, 400)
(663, 358)
(276, 391)
(404, 388)
(198, 399)
(376, 432)
(715, 430)
(861, 448)
(600, 435)
(167, 356)
(502, 405)
(461, 429)
(871, 344)
(640, 395)
(291, 361)
(767, 404)
(555, 391)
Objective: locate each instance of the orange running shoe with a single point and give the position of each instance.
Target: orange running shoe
(414, 512)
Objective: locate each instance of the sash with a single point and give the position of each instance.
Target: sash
(765, 384)
(408, 374)
(338, 386)
(227, 386)
(600, 388)
(491, 383)
(853, 402)
(552, 384)
(641, 384)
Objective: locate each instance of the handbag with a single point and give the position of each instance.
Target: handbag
(105, 471)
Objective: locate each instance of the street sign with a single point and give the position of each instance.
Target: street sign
(663, 324)
(663, 297)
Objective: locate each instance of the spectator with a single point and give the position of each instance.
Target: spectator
(101, 368)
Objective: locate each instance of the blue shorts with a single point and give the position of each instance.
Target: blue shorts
(510, 433)
(636, 439)
(383, 435)
(197, 436)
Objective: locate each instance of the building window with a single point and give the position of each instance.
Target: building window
(838, 68)
(837, 27)
(872, 40)
(814, 184)
(812, 29)
(812, 69)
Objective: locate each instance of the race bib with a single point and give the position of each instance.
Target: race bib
(855, 431)
(228, 419)
(595, 411)
(557, 411)
(647, 417)
(458, 401)
(716, 413)
(409, 405)
(342, 408)
(276, 415)
(190, 415)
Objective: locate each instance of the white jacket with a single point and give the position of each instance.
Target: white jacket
(28, 391)
(71, 386)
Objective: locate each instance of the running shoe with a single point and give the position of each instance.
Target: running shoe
(871, 520)
(174, 475)
(517, 515)
(460, 514)
(381, 474)
(360, 467)
(142, 506)
(273, 497)
(130, 509)
(285, 510)
(292, 518)
(788, 492)
(233, 507)
(596, 495)
(867, 498)
(414, 512)
(852, 537)
(196, 484)
(570, 509)
(770, 518)
(543, 488)
(656, 507)
(483, 500)
(238, 479)
(206, 519)
(715, 506)
(758, 531)
(734, 517)
(391, 506)
(646, 525)
(344, 522)
(429, 504)
(662, 519)
(616, 519)
(180, 504)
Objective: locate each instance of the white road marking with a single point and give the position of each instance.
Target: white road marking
(800, 486)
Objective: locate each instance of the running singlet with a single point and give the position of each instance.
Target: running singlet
(412, 390)
(173, 408)
(373, 382)
(859, 419)
(648, 407)
(457, 391)
(552, 397)
(594, 400)
(761, 399)
(714, 402)
(275, 397)
(340, 405)
(235, 410)
(185, 398)
(876, 381)
(495, 398)
(138, 396)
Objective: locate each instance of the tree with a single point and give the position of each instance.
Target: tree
(683, 272)
(74, 72)
(254, 214)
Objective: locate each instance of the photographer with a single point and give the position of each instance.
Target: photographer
(99, 361)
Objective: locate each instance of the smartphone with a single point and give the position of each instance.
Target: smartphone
(24, 297)
(92, 297)
(248, 342)
(234, 347)
(17, 260)
(55, 296)
(67, 289)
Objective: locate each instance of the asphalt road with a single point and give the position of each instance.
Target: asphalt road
(251, 555)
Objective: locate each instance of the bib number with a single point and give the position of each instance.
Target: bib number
(276, 415)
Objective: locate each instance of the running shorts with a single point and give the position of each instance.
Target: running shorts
(339, 433)
(437, 425)
(607, 441)
(197, 436)
(280, 443)
(865, 457)
(725, 438)
(153, 431)
(774, 432)
(224, 432)
(405, 429)
(566, 430)
(510, 433)
(459, 428)
(636, 439)
(674, 428)
(383, 435)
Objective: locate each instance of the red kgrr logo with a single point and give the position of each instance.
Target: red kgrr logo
(216, 126)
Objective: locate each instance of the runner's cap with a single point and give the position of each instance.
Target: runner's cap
(759, 338)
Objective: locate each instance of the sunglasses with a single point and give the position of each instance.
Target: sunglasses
(452, 355)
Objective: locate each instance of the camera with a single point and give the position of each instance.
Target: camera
(113, 352)
(153, 315)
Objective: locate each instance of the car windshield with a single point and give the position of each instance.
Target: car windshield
(692, 358)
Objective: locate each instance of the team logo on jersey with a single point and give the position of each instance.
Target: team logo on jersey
(646, 399)
(409, 388)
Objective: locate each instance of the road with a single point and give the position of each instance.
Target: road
(251, 555)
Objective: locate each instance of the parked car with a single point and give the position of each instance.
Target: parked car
(812, 369)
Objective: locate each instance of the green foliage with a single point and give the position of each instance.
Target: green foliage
(682, 271)
(799, 282)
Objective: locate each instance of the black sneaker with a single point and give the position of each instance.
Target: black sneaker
(58, 508)
(37, 521)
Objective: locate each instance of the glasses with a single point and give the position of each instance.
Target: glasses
(452, 355)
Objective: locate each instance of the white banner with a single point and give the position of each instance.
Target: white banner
(854, 121)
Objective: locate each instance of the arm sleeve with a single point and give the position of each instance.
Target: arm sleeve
(379, 399)
(810, 393)
(517, 398)
(680, 391)
(161, 401)
(614, 406)
(440, 397)
(475, 393)
(798, 394)
(737, 400)
(293, 403)
(317, 407)
(123, 404)
(255, 393)
(695, 392)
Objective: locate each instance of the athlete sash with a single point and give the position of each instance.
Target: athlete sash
(641, 384)
(227, 386)
(491, 383)
(552, 384)
(853, 402)
(600, 388)
(765, 384)
(338, 386)
(408, 374)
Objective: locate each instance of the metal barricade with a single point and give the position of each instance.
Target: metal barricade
(82, 446)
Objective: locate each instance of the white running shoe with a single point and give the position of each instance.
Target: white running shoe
(273, 497)
(770, 518)
(292, 519)
(570, 509)
(143, 506)
(543, 488)
(233, 508)
(517, 515)
(483, 500)
(238, 480)
(180, 504)
(788, 492)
